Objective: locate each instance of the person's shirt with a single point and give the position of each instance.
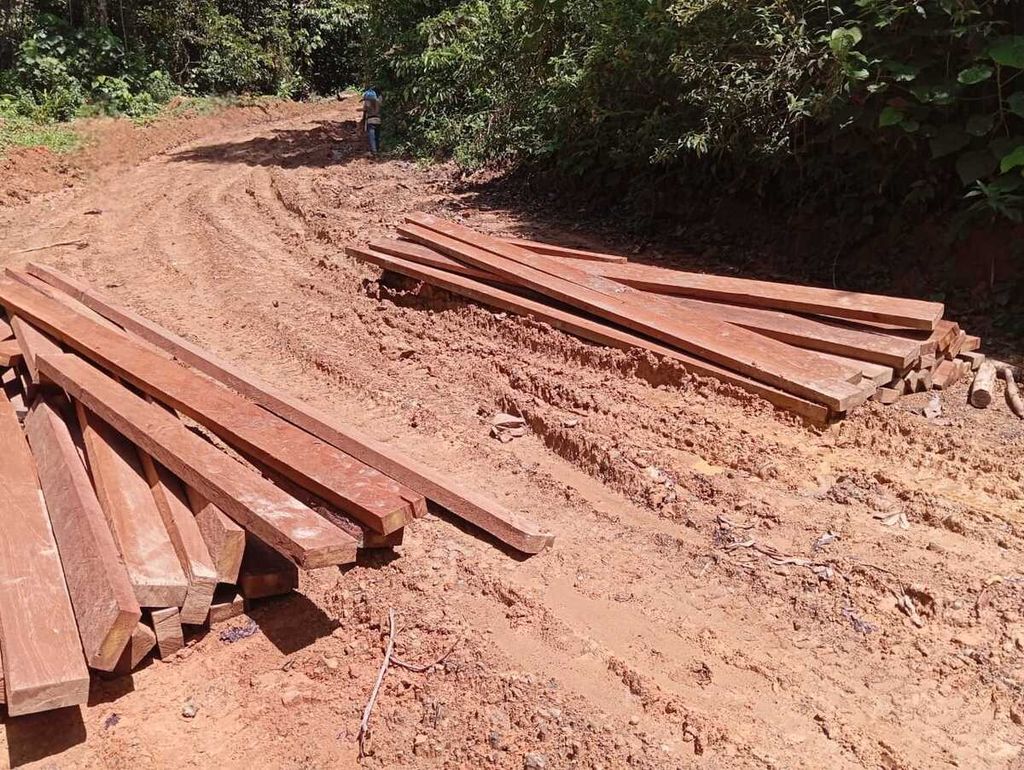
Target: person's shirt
(371, 111)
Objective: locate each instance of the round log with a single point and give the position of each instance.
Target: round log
(984, 383)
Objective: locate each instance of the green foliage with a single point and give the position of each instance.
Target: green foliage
(16, 130)
(74, 58)
(860, 108)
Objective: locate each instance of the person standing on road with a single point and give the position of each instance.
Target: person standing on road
(371, 119)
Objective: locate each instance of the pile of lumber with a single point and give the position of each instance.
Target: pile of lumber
(146, 486)
(813, 351)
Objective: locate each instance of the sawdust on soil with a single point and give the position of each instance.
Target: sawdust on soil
(728, 588)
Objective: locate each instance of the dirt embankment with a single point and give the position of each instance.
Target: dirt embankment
(728, 588)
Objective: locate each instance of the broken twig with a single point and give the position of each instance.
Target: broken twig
(364, 725)
(421, 668)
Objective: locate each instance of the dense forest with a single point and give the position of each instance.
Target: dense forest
(869, 107)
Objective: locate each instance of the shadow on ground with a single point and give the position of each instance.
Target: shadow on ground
(325, 143)
(36, 737)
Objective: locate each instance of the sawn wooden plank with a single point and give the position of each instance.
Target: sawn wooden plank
(899, 311)
(276, 518)
(124, 494)
(380, 502)
(584, 327)
(104, 602)
(791, 369)
(464, 502)
(43, 664)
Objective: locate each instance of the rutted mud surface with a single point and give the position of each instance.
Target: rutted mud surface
(728, 589)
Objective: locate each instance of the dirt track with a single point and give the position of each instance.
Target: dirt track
(647, 638)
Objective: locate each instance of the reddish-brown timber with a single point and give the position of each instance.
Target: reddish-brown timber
(5, 329)
(139, 645)
(794, 370)
(381, 503)
(10, 353)
(252, 501)
(462, 501)
(127, 502)
(264, 572)
(224, 539)
(585, 328)
(32, 343)
(551, 250)
(193, 555)
(43, 664)
(167, 628)
(105, 606)
(899, 311)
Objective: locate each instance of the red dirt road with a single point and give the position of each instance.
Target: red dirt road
(724, 590)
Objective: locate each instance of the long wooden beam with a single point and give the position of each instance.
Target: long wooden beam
(821, 336)
(586, 328)
(32, 342)
(381, 503)
(193, 555)
(796, 371)
(105, 605)
(43, 663)
(899, 311)
(10, 353)
(276, 518)
(551, 250)
(464, 502)
(223, 537)
(126, 499)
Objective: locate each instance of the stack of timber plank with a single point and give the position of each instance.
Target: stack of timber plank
(812, 351)
(149, 488)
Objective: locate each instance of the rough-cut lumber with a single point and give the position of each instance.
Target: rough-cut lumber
(887, 395)
(586, 328)
(956, 345)
(127, 502)
(224, 539)
(167, 628)
(946, 375)
(252, 501)
(813, 334)
(984, 385)
(381, 503)
(139, 645)
(5, 329)
(227, 604)
(808, 333)
(907, 313)
(104, 602)
(1013, 397)
(562, 251)
(56, 294)
(193, 555)
(32, 343)
(791, 369)
(10, 353)
(43, 664)
(973, 358)
(877, 374)
(463, 502)
(264, 572)
(970, 344)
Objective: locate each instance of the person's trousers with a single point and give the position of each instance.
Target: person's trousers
(373, 133)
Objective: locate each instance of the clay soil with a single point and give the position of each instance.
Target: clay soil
(728, 588)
